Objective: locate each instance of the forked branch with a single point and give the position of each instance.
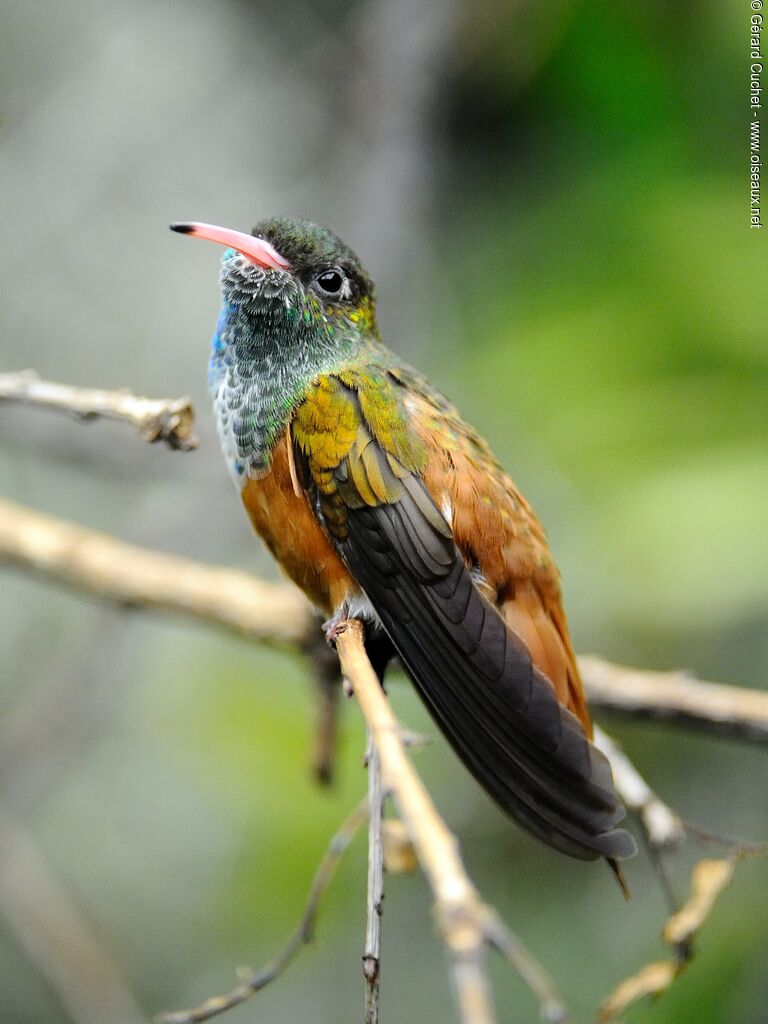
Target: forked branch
(464, 922)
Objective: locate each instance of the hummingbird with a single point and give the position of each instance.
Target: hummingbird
(383, 504)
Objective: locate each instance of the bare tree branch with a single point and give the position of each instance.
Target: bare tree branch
(135, 577)
(170, 420)
(253, 983)
(708, 880)
(327, 679)
(676, 697)
(551, 1007)
(56, 935)
(663, 830)
(464, 922)
(458, 909)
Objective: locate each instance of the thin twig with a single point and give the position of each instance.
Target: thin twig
(303, 933)
(663, 830)
(327, 679)
(375, 888)
(552, 1008)
(55, 934)
(708, 879)
(170, 420)
(277, 613)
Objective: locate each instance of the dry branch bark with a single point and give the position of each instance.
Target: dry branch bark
(677, 697)
(170, 420)
(465, 923)
(458, 909)
(136, 577)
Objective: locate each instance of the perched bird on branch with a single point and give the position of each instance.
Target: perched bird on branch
(383, 504)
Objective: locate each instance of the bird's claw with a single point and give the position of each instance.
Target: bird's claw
(332, 628)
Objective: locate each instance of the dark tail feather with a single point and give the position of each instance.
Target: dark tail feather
(500, 714)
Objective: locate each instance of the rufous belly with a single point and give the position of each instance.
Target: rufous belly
(287, 525)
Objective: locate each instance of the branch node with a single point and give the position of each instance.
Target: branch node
(370, 969)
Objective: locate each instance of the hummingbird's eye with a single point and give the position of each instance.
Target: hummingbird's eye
(331, 282)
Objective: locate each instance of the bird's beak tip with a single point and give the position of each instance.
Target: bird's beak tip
(257, 250)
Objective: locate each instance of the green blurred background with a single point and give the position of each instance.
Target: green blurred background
(553, 201)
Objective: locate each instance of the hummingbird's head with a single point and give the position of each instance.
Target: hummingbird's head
(292, 276)
(296, 302)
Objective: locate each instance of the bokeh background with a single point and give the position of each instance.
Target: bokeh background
(553, 201)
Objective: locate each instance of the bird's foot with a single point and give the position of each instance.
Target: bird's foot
(332, 627)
